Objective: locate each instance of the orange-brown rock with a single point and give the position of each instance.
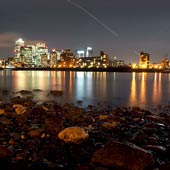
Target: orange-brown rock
(124, 156)
(75, 135)
(5, 153)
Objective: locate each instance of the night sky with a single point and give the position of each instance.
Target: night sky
(120, 28)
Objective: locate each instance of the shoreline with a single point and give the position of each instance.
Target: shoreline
(109, 137)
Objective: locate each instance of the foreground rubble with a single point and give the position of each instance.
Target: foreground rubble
(51, 136)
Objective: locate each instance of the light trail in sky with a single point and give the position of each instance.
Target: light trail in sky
(137, 53)
(94, 17)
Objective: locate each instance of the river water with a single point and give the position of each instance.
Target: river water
(92, 88)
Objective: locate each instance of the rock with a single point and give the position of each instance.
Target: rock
(11, 141)
(21, 119)
(110, 124)
(25, 92)
(136, 119)
(36, 142)
(155, 118)
(5, 153)
(102, 117)
(137, 112)
(123, 156)
(79, 102)
(54, 124)
(20, 156)
(36, 133)
(45, 108)
(72, 113)
(152, 140)
(56, 92)
(140, 138)
(156, 148)
(17, 105)
(37, 90)
(75, 135)
(20, 110)
(5, 121)
(2, 111)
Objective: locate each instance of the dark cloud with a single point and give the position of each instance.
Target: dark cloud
(7, 39)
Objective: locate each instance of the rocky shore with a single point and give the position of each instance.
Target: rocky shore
(51, 136)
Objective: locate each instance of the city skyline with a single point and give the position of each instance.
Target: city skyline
(121, 29)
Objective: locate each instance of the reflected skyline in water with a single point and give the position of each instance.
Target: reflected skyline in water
(95, 88)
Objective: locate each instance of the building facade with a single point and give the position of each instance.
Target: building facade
(101, 61)
(35, 55)
(89, 52)
(67, 59)
(55, 56)
(144, 60)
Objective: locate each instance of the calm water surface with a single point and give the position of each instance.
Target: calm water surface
(96, 88)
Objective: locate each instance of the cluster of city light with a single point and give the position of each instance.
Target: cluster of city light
(38, 55)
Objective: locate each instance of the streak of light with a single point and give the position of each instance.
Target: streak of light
(94, 17)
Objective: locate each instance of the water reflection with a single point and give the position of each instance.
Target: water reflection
(90, 85)
(146, 88)
(118, 89)
(138, 94)
(157, 88)
(142, 98)
(82, 86)
(29, 80)
(133, 96)
(100, 84)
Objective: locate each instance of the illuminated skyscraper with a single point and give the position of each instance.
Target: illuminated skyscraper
(54, 57)
(18, 44)
(30, 54)
(89, 52)
(144, 60)
(80, 53)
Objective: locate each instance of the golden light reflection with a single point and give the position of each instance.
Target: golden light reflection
(59, 78)
(157, 87)
(155, 84)
(19, 81)
(62, 79)
(43, 79)
(168, 78)
(102, 83)
(71, 83)
(53, 79)
(143, 88)
(30, 80)
(138, 91)
(133, 89)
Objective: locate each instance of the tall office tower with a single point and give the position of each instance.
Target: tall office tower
(18, 44)
(80, 53)
(89, 52)
(40, 50)
(33, 54)
(144, 60)
(54, 57)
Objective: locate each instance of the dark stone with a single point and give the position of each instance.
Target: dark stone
(123, 155)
